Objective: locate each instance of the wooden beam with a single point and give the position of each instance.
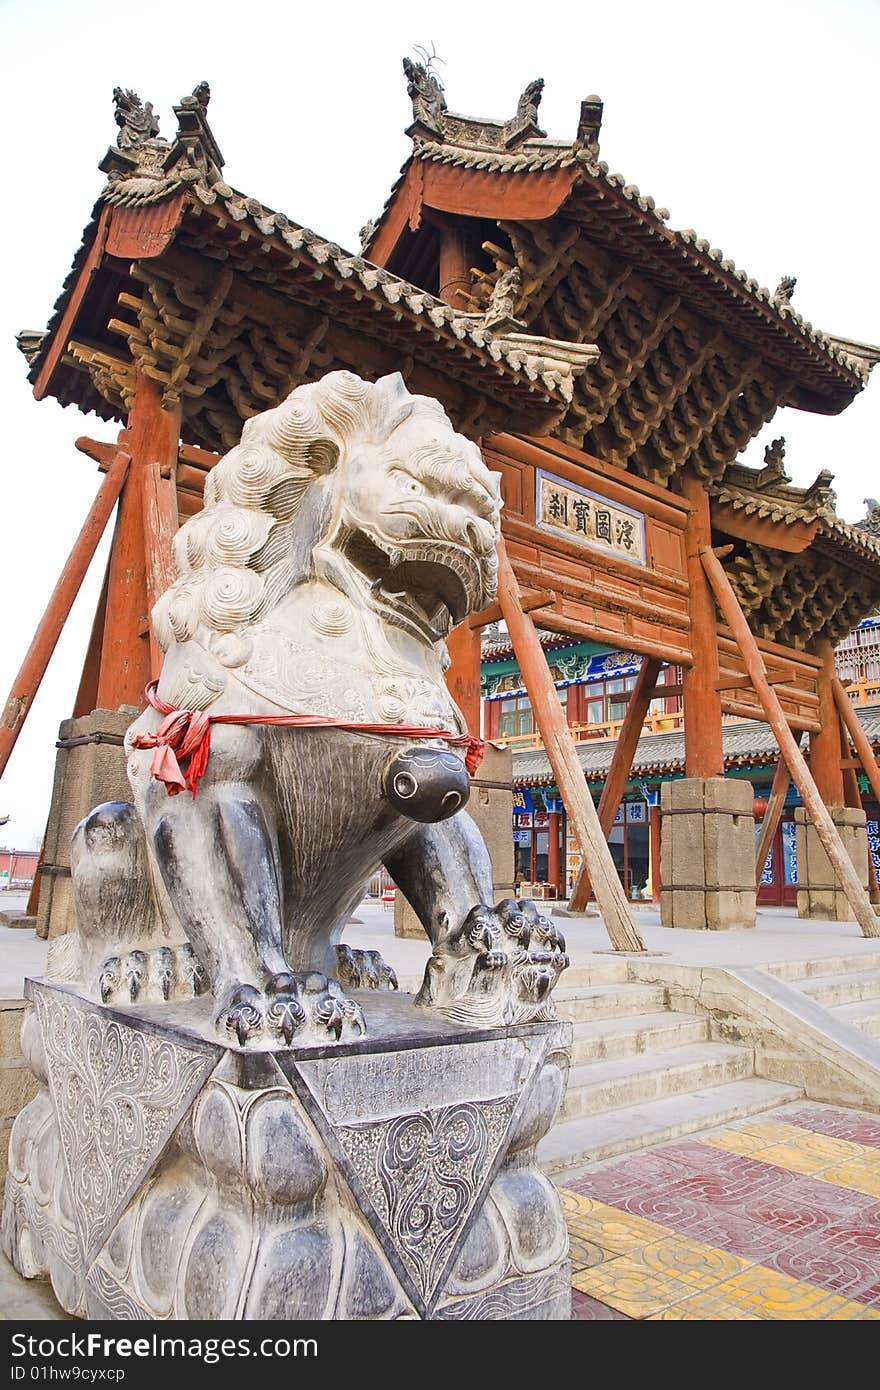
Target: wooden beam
(772, 816)
(621, 765)
(27, 682)
(463, 673)
(703, 745)
(87, 693)
(789, 750)
(58, 346)
(825, 746)
(563, 757)
(529, 603)
(860, 740)
(154, 436)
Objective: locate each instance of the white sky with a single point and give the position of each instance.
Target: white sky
(755, 123)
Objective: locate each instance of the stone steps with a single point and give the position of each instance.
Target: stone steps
(796, 971)
(863, 1014)
(610, 1038)
(579, 1003)
(846, 988)
(630, 1081)
(578, 1142)
(601, 970)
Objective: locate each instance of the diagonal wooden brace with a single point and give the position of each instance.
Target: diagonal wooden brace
(772, 816)
(621, 765)
(854, 891)
(27, 682)
(561, 751)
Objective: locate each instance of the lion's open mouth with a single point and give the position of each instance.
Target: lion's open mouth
(434, 584)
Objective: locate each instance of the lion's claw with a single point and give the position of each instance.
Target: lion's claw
(359, 969)
(152, 977)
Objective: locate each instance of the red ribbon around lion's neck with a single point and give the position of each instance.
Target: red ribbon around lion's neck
(184, 737)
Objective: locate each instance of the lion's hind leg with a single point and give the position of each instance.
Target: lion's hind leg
(128, 954)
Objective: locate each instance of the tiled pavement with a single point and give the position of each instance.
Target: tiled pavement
(773, 1217)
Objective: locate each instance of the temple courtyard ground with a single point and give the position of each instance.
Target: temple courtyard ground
(770, 1216)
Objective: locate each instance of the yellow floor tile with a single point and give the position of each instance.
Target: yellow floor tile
(615, 1231)
(795, 1160)
(584, 1254)
(574, 1202)
(862, 1175)
(664, 1273)
(772, 1297)
(735, 1141)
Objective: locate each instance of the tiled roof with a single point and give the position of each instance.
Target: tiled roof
(695, 255)
(748, 743)
(132, 183)
(789, 505)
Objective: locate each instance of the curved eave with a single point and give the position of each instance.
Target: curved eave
(824, 377)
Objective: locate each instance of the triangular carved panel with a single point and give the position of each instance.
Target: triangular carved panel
(423, 1174)
(119, 1092)
(418, 1170)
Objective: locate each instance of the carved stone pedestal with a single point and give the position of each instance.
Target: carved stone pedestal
(707, 854)
(158, 1174)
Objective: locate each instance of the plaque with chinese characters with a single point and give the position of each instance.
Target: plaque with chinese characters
(584, 516)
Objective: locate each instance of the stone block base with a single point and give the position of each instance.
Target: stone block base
(89, 769)
(819, 892)
(158, 1174)
(491, 807)
(707, 854)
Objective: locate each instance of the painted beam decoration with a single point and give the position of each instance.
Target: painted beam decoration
(584, 516)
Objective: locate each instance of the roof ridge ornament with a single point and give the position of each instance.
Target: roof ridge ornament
(137, 121)
(774, 466)
(143, 167)
(195, 139)
(434, 123)
(871, 521)
(425, 91)
(589, 126)
(782, 295)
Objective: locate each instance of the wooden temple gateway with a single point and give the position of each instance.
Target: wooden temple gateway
(613, 370)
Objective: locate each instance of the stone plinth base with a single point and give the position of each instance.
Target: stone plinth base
(707, 854)
(819, 892)
(89, 769)
(491, 807)
(158, 1174)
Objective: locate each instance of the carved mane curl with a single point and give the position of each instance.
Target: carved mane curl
(234, 560)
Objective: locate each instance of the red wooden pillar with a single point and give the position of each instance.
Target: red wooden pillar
(463, 675)
(455, 278)
(703, 748)
(553, 849)
(140, 561)
(825, 746)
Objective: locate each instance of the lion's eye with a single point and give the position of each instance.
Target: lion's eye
(405, 485)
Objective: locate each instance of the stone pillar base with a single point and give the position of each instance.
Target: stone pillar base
(819, 892)
(707, 854)
(491, 807)
(89, 769)
(160, 1174)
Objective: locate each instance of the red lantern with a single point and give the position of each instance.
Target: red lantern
(759, 807)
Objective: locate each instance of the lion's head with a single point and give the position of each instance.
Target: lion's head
(360, 484)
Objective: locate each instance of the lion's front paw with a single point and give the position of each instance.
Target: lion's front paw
(151, 977)
(244, 1015)
(364, 969)
(293, 1010)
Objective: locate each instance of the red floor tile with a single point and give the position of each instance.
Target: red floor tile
(587, 1309)
(840, 1124)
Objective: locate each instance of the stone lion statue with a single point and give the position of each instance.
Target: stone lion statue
(339, 542)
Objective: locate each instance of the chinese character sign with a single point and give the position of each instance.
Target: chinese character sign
(588, 518)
